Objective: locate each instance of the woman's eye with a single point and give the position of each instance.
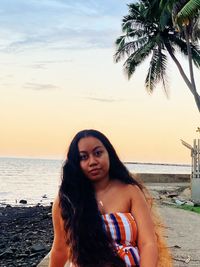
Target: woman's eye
(83, 157)
(98, 153)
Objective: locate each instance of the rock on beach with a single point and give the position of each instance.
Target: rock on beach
(26, 235)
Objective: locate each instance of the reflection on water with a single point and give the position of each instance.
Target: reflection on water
(37, 180)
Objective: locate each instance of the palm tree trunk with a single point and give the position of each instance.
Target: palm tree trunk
(196, 96)
(185, 78)
(189, 57)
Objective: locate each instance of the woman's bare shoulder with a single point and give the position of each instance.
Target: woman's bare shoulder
(131, 188)
(128, 188)
(58, 222)
(56, 210)
(135, 192)
(56, 200)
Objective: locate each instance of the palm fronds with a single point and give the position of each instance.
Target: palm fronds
(187, 12)
(152, 28)
(137, 57)
(157, 71)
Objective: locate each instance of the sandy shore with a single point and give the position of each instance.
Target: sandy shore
(26, 232)
(26, 235)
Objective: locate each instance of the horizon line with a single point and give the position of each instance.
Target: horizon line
(125, 162)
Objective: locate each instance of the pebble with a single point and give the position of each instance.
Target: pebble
(23, 201)
(38, 247)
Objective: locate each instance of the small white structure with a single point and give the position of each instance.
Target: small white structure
(195, 174)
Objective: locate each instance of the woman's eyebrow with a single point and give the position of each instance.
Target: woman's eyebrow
(96, 147)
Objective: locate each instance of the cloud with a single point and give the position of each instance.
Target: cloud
(100, 99)
(59, 24)
(64, 39)
(45, 63)
(37, 66)
(39, 87)
(54, 61)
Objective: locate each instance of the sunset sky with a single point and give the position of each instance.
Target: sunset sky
(57, 76)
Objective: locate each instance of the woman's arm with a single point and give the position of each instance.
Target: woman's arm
(59, 251)
(146, 240)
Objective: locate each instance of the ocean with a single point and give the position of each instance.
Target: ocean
(37, 180)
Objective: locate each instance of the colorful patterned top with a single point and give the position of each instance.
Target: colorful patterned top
(123, 230)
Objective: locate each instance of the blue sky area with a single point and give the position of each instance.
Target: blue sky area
(58, 24)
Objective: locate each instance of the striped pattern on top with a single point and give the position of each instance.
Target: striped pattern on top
(123, 230)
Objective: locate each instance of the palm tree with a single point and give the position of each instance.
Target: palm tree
(185, 10)
(186, 18)
(149, 30)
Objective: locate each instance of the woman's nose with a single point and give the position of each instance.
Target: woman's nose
(92, 160)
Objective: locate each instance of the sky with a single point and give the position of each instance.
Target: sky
(57, 76)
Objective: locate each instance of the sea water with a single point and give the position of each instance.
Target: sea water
(37, 180)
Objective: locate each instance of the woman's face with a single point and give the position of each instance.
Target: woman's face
(94, 158)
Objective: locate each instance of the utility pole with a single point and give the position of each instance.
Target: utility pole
(195, 171)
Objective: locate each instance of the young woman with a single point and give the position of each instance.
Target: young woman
(101, 216)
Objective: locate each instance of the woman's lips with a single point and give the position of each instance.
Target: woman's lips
(94, 171)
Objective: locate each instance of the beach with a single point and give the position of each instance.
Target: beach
(26, 229)
(26, 235)
(27, 232)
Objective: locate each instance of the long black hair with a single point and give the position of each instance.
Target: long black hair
(88, 243)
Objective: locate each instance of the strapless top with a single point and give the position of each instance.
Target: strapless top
(122, 228)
